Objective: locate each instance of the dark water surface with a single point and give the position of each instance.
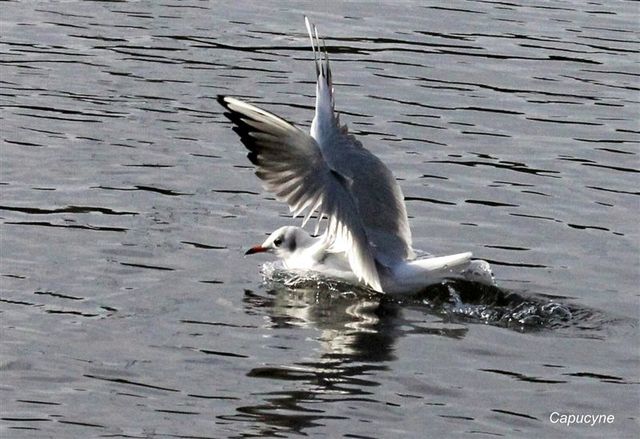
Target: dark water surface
(128, 310)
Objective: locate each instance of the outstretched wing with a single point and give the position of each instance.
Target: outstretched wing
(377, 195)
(292, 166)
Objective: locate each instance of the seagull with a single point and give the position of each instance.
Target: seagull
(366, 238)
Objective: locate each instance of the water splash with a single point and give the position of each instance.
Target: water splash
(504, 308)
(456, 301)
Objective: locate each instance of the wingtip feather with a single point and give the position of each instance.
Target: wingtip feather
(309, 26)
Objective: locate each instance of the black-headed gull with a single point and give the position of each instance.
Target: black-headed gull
(367, 237)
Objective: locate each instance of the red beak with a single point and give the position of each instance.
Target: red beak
(256, 249)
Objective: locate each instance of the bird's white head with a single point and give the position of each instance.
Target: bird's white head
(283, 242)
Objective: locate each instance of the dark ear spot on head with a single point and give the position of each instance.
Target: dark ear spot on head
(293, 244)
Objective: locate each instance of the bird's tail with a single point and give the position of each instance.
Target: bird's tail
(420, 273)
(442, 265)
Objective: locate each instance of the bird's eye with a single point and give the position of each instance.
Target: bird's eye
(277, 242)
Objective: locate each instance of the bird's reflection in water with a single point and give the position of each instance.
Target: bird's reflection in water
(356, 335)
